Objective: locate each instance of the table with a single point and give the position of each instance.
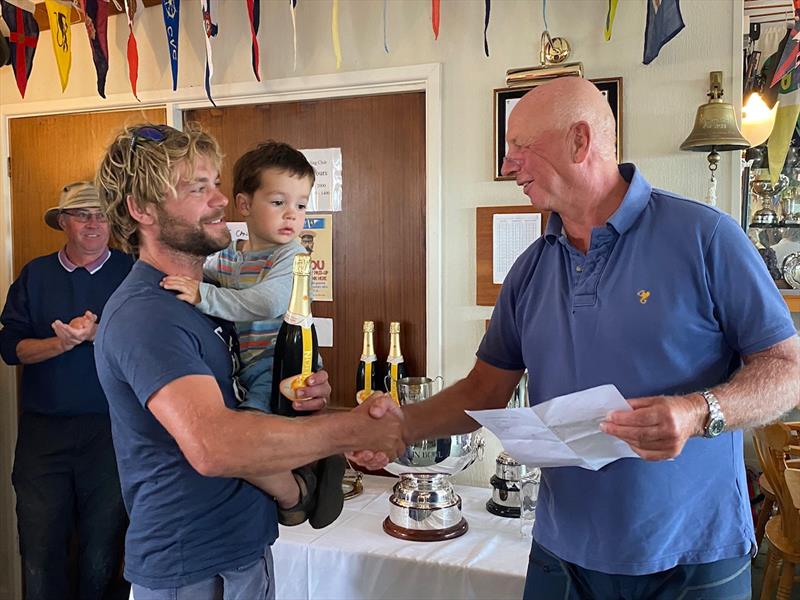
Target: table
(353, 558)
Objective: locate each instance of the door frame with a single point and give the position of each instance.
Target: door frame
(413, 78)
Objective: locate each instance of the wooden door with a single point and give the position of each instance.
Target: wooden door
(48, 152)
(378, 237)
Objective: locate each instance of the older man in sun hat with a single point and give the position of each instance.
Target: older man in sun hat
(65, 472)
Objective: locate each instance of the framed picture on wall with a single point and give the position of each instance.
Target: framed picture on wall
(506, 98)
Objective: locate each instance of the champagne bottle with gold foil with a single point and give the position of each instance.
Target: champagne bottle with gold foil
(296, 347)
(367, 374)
(395, 365)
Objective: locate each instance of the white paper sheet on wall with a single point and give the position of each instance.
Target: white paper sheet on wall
(324, 328)
(326, 195)
(511, 235)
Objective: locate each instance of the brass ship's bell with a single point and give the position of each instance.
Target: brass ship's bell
(715, 126)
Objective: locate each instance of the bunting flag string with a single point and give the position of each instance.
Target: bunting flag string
(791, 51)
(337, 47)
(664, 22)
(610, 14)
(172, 19)
(435, 8)
(22, 39)
(292, 9)
(133, 49)
(386, 26)
(95, 15)
(254, 14)
(487, 14)
(59, 15)
(211, 30)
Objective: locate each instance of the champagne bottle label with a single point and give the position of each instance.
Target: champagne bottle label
(393, 385)
(302, 320)
(308, 354)
(368, 379)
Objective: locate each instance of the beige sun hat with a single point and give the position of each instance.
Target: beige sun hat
(81, 194)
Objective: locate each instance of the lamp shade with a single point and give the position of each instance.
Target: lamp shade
(757, 119)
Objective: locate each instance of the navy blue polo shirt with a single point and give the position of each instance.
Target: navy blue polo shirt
(184, 527)
(669, 297)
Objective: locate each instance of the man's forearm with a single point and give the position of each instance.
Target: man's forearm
(767, 386)
(31, 350)
(252, 445)
(443, 414)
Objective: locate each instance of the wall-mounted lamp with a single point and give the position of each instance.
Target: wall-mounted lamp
(714, 131)
(757, 119)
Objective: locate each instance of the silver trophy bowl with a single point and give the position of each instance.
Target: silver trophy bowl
(424, 505)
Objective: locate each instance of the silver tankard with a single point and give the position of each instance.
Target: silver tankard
(424, 505)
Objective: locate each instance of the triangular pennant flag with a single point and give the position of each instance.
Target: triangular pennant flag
(612, 12)
(337, 47)
(487, 13)
(211, 29)
(95, 14)
(22, 39)
(293, 9)
(435, 9)
(59, 15)
(785, 122)
(254, 12)
(132, 50)
(791, 51)
(664, 22)
(172, 20)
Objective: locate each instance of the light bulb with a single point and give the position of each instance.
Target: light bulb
(757, 119)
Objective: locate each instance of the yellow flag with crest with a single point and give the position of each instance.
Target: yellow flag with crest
(59, 13)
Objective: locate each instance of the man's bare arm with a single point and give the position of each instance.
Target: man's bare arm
(767, 386)
(443, 414)
(31, 351)
(221, 442)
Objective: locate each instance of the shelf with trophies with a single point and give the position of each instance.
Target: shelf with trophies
(774, 216)
(771, 166)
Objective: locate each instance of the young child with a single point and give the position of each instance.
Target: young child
(271, 185)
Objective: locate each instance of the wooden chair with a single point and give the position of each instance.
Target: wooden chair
(772, 444)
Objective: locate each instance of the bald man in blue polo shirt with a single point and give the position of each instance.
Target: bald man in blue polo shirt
(665, 298)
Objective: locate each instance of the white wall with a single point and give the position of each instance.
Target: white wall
(659, 100)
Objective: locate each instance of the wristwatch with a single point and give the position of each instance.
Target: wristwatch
(716, 420)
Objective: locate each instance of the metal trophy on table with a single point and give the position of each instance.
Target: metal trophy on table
(424, 506)
(507, 480)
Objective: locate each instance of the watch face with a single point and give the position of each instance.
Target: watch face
(715, 427)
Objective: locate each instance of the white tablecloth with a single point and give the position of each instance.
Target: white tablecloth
(353, 558)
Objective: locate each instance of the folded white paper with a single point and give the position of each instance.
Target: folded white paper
(561, 432)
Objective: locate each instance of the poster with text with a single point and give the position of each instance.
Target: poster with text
(317, 238)
(326, 195)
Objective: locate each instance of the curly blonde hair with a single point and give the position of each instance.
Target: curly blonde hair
(145, 162)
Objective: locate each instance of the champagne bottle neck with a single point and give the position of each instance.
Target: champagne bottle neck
(300, 302)
(395, 354)
(367, 348)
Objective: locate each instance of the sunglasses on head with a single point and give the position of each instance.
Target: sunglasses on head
(152, 133)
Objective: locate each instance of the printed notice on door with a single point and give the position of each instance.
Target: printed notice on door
(511, 236)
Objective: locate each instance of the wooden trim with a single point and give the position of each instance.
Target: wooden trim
(76, 16)
(792, 300)
(485, 291)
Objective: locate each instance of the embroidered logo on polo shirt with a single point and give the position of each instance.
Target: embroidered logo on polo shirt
(643, 296)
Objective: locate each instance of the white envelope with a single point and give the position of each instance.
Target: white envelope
(561, 432)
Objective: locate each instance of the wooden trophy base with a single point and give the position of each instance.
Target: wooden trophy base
(425, 535)
(510, 512)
